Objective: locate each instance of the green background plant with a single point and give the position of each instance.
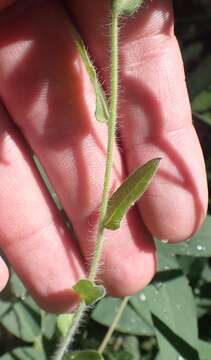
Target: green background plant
(171, 318)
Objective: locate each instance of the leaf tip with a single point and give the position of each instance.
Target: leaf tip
(158, 159)
(156, 162)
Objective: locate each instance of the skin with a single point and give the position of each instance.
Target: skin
(48, 104)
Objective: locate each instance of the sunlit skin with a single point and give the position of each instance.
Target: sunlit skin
(48, 105)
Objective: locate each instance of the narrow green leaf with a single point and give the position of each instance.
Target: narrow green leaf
(101, 111)
(63, 323)
(130, 323)
(129, 192)
(84, 355)
(88, 291)
(126, 7)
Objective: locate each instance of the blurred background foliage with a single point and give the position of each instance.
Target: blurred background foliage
(171, 318)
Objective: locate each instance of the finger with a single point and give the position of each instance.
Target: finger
(32, 234)
(164, 126)
(5, 3)
(155, 116)
(46, 89)
(4, 274)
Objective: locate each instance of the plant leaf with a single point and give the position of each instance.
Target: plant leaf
(101, 111)
(159, 357)
(126, 7)
(130, 323)
(204, 350)
(63, 323)
(24, 353)
(16, 286)
(21, 322)
(88, 291)
(129, 192)
(132, 346)
(18, 312)
(139, 304)
(202, 102)
(169, 297)
(84, 355)
(198, 246)
(49, 325)
(119, 355)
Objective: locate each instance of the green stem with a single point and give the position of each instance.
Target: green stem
(105, 196)
(113, 325)
(111, 140)
(66, 341)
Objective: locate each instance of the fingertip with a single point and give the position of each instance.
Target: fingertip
(65, 301)
(132, 278)
(173, 218)
(181, 229)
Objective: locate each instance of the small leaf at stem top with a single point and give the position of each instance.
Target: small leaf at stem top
(126, 7)
(84, 355)
(88, 291)
(129, 192)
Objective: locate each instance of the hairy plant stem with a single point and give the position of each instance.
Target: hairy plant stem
(66, 341)
(111, 140)
(113, 325)
(63, 347)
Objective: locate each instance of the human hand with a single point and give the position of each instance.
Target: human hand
(48, 103)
